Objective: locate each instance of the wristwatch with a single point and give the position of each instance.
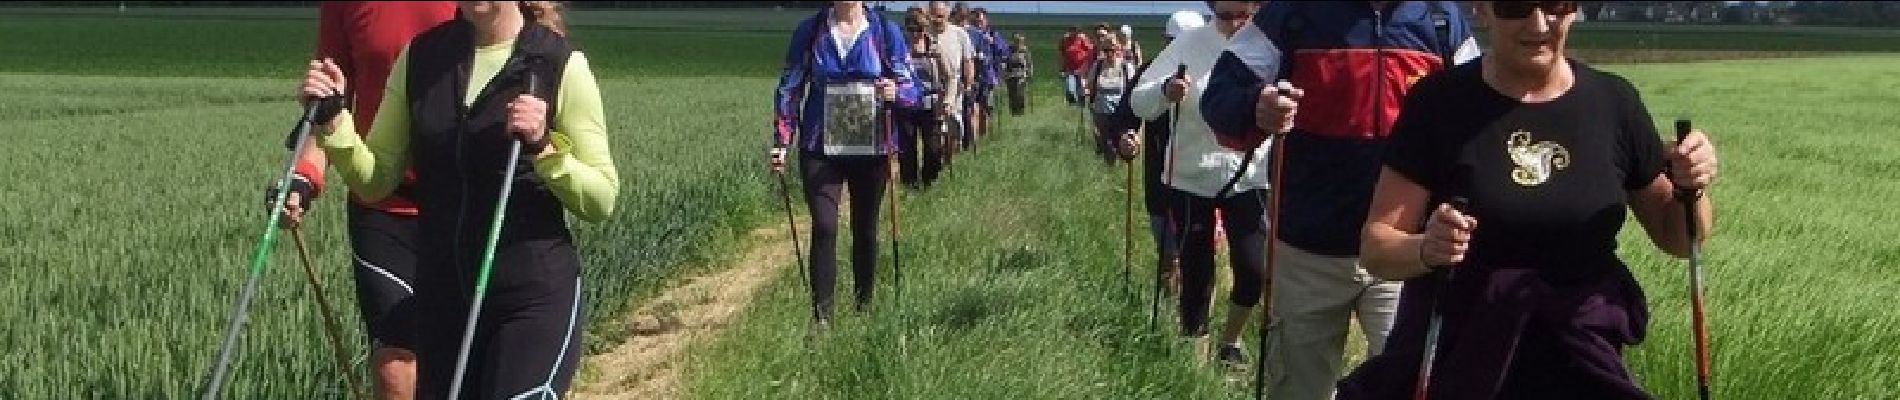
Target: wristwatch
(1689, 194)
(538, 145)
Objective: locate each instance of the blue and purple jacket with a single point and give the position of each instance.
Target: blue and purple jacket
(985, 73)
(1355, 65)
(812, 61)
(999, 54)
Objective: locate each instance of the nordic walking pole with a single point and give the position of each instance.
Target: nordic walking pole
(1082, 122)
(1029, 86)
(329, 316)
(1432, 328)
(1082, 114)
(791, 226)
(1174, 128)
(897, 258)
(1700, 321)
(262, 252)
(1278, 153)
(1274, 184)
(1128, 223)
(488, 258)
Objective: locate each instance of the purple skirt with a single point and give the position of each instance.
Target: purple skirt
(1510, 333)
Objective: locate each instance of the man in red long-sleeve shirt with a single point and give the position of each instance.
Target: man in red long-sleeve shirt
(364, 38)
(1077, 52)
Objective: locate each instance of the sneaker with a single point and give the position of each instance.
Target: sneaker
(819, 328)
(1232, 356)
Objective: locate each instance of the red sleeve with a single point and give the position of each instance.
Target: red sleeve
(313, 173)
(333, 41)
(333, 38)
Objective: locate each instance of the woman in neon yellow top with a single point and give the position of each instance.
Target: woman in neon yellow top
(456, 98)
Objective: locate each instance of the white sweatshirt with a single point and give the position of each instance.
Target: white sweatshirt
(1195, 163)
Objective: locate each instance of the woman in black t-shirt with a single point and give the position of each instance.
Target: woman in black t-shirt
(1549, 153)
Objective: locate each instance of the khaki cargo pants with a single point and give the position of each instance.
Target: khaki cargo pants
(1314, 298)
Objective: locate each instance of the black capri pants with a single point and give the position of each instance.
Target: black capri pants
(1244, 216)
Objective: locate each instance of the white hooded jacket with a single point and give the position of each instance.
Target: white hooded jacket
(1195, 163)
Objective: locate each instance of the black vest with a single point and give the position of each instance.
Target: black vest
(460, 152)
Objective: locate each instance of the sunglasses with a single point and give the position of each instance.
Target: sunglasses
(1233, 15)
(1522, 9)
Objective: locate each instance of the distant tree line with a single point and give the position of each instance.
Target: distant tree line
(1846, 13)
(575, 4)
(1855, 13)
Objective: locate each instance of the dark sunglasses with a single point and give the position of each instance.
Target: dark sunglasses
(1233, 15)
(1522, 9)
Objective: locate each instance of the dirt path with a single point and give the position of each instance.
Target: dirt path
(647, 365)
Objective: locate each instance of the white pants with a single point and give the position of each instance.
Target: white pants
(1314, 298)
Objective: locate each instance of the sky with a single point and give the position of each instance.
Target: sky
(1076, 7)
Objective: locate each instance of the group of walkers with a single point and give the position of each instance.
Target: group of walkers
(425, 108)
(958, 61)
(1350, 151)
(859, 95)
(1097, 71)
(1365, 162)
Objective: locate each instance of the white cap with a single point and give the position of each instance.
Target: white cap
(1182, 21)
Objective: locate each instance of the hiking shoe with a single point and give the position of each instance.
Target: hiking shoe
(817, 331)
(1232, 356)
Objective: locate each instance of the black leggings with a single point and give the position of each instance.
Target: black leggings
(528, 338)
(1018, 94)
(384, 259)
(919, 138)
(1108, 136)
(825, 179)
(1243, 215)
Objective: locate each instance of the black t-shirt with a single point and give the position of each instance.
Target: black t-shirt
(1548, 182)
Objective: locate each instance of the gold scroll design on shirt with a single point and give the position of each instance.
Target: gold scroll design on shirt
(1536, 161)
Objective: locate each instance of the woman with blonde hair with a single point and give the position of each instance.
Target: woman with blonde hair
(500, 76)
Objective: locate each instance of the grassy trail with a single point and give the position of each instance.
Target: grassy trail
(1014, 269)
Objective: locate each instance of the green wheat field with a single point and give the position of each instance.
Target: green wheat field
(134, 149)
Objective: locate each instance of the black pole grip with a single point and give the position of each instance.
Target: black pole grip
(532, 88)
(315, 112)
(1683, 126)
